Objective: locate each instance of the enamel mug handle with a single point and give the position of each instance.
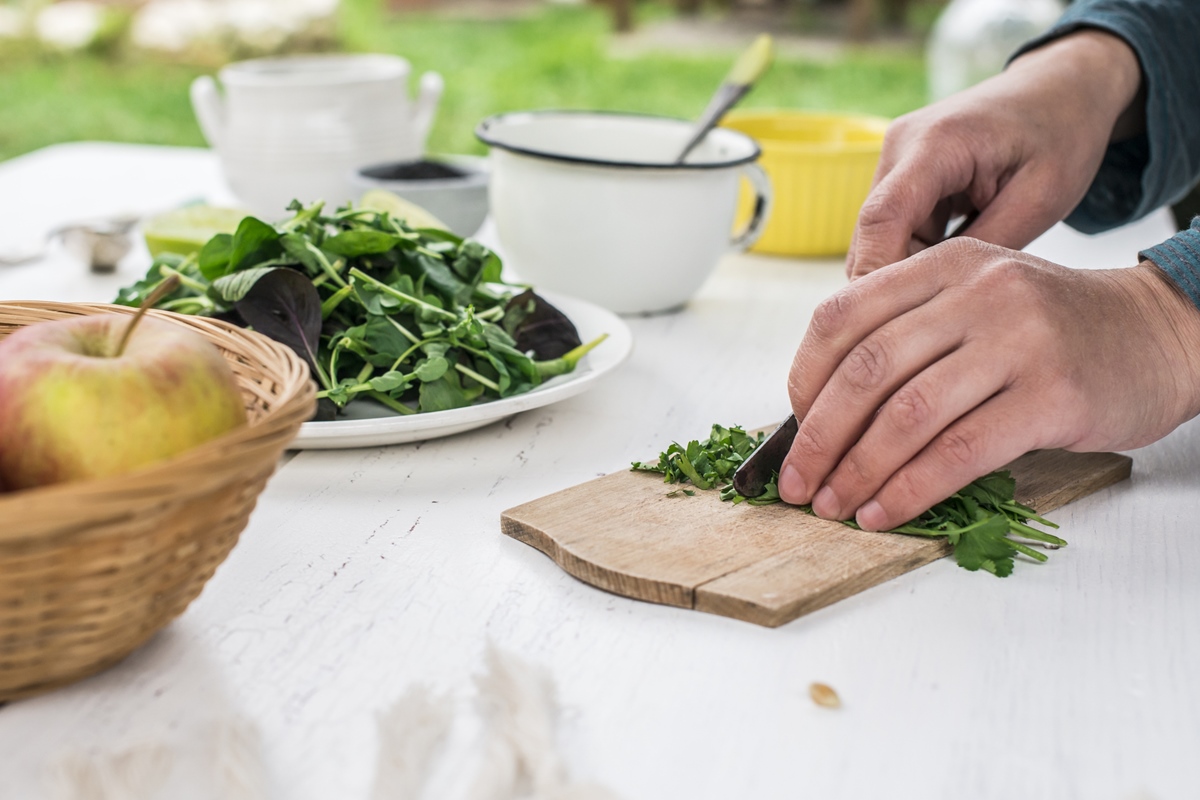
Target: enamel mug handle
(761, 185)
(210, 109)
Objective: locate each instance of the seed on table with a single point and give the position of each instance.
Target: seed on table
(824, 695)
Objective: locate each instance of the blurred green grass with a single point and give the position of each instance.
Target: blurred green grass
(553, 57)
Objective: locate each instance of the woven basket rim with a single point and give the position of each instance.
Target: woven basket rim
(297, 395)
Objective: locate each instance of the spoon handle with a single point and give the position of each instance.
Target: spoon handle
(723, 100)
(746, 70)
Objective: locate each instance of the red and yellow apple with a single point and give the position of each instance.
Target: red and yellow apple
(86, 397)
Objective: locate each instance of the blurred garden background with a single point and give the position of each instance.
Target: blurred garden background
(119, 70)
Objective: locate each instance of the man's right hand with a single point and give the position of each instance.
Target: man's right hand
(1021, 148)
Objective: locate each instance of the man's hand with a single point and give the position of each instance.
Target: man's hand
(1021, 148)
(917, 379)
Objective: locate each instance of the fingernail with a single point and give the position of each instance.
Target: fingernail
(871, 517)
(826, 505)
(791, 486)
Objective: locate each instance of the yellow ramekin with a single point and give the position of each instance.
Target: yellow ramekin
(820, 165)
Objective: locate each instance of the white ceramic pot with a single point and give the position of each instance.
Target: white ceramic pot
(593, 205)
(297, 127)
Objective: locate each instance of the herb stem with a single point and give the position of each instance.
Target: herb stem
(184, 280)
(404, 356)
(399, 295)
(412, 337)
(334, 300)
(390, 402)
(470, 373)
(323, 262)
(567, 361)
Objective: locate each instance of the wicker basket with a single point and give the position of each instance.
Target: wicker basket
(91, 570)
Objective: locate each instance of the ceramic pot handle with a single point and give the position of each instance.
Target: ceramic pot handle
(209, 107)
(428, 93)
(761, 185)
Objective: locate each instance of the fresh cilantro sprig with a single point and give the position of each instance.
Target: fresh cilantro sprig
(982, 521)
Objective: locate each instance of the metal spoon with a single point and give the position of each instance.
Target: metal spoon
(746, 70)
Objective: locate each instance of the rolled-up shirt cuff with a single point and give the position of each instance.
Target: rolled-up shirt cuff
(1179, 258)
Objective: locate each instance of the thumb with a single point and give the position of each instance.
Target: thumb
(1021, 211)
(896, 208)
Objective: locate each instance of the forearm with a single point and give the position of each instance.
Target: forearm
(1102, 72)
(1154, 157)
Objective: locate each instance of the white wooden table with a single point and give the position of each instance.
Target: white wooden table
(365, 571)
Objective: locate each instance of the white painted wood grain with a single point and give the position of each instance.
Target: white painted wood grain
(365, 571)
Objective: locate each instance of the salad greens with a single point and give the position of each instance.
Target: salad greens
(979, 520)
(417, 319)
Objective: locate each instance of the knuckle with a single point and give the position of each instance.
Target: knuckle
(877, 212)
(959, 448)
(832, 315)
(901, 490)
(867, 366)
(1004, 273)
(910, 409)
(855, 470)
(808, 442)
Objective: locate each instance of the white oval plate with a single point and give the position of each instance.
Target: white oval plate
(368, 424)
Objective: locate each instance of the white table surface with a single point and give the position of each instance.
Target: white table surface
(364, 571)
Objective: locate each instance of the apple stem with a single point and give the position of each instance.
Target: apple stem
(160, 291)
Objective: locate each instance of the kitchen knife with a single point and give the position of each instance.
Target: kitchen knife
(752, 477)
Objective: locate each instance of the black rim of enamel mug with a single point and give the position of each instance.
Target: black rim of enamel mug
(482, 132)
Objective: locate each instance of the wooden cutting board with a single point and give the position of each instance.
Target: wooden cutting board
(763, 564)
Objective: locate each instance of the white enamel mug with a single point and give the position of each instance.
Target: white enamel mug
(297, 127)
(592, 204)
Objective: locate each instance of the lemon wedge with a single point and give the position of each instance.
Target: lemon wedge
(399, 208)
(185, 230)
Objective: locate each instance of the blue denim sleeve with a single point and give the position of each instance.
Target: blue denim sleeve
(1159, 167)
(1145, 173)
(1179, 257)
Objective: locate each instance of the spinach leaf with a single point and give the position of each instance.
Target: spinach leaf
(284, 305)
(215, 256)
(254, 242)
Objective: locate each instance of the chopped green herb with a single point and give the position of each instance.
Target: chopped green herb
(979, 520)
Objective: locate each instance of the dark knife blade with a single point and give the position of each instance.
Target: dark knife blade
(755, 472)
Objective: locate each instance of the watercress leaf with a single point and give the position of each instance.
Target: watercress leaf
(234, 286)
(215, 256)
(444, 394)
(389, 382)
(383, 337)
(443, 279)
(436, 349)
(284, 305)
(296, 246)
(433, 368)
(253, 242)
(372, 298)
(439, 235)
(491, 269)
(354, 243)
